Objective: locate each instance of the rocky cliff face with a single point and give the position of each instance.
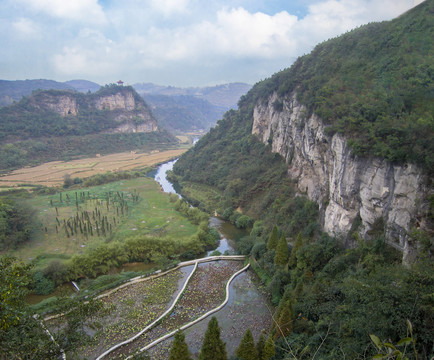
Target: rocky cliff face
(131, 115)
(124, 101)
(63, 104)
(347, 188)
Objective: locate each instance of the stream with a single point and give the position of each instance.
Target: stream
(228, 232)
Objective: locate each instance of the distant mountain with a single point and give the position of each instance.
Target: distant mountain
(83, 85)
(225, 96)
(14, 90)
(184, 113)
(191, 109)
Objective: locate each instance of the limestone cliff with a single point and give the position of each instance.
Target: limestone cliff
(346, 187)
(62, 104)
(126, 109)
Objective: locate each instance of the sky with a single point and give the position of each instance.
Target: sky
(172, 42)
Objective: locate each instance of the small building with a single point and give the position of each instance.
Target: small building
(120, 83)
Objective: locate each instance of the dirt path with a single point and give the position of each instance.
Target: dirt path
(53, 173)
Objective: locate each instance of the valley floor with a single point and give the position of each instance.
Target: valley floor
(53, 173)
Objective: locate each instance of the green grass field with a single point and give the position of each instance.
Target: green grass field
(207, 196)
(146, 211)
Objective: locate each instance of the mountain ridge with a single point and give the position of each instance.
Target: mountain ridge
(305, 114)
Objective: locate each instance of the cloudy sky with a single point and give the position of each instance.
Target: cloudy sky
(172, 42)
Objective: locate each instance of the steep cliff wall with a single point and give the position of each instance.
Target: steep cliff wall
(131, 114)
(346, 187)
(124, 101)
(63, 104)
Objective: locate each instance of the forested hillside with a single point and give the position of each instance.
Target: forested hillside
(55, 124)
(374, 87)
(374, 84)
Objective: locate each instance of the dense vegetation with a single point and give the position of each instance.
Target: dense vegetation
(17, 223)
(247, 175)
(374, 84)
(330, 299)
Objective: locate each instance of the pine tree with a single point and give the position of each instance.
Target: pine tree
(297, 245)
(247, 350)
(269, 349)
(213, 348)
(274, 237)
(179, 349)
(284, 321)
(260, 345)
(282, 252)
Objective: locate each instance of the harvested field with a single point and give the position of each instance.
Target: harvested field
(53, 173)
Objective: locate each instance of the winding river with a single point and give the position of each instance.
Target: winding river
(228, 232)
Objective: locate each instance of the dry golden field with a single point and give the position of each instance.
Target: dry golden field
(53, 173)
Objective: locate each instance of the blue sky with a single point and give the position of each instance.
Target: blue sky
(172, 42)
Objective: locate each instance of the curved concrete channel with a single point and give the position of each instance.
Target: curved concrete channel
(169, 310)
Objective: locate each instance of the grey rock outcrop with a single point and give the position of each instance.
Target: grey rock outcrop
(347, 188)
(132, 115)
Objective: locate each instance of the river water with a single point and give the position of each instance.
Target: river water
(228, 232)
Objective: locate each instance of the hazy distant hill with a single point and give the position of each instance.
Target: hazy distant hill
(83, 85)
(226, 95)
(184, 113)
(14, 90)
(191, 109)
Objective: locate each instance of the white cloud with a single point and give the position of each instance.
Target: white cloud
(163, 38)
(169, 7)
(89, 62)
(26, 29)
(77, 10)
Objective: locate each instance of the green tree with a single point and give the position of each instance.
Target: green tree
(179, 349)
(260, 345)
(284, 319)
(273, 239)
(269, 349)
(14, 278)
(213, 348)
(298, 244)
(247, 349)
(21, 335)
(282, 252)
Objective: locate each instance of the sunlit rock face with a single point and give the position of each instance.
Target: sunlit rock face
(347, 188)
